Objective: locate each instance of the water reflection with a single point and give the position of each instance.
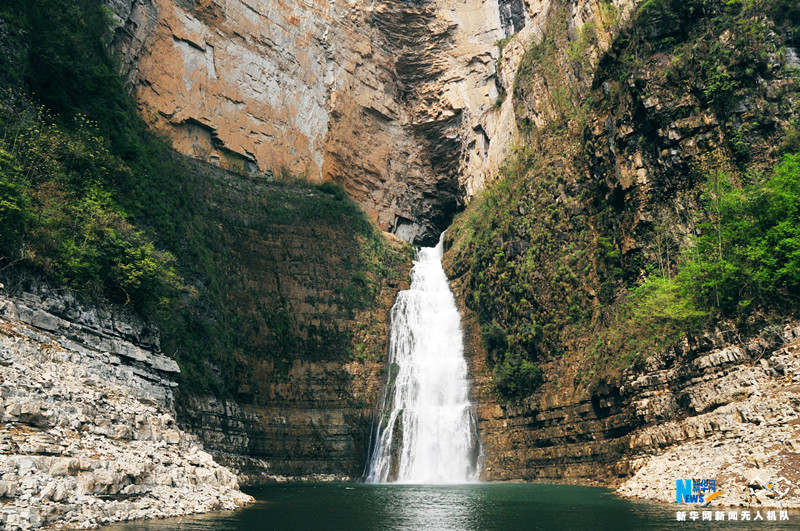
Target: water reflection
(484, 507)
(432, 507)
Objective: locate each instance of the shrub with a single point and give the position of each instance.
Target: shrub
(494, 337)
(92, 200)
(13, 206)
(749, 246)
(56, 202)
(517, 377)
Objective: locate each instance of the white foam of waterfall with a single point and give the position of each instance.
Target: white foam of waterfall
(427, 431)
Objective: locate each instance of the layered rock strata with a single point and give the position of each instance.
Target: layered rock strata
(642, 153)
(732, 403)
(747, 434)
(529, 21)
(89, 433)
(403, 103)
(311, 422)
(293, 396)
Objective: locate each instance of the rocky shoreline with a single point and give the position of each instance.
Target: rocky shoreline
(88, 433)
(87, 429)
(742, 445)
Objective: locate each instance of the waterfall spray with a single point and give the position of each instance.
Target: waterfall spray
(427, 431)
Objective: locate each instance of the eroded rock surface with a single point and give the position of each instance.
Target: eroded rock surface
(310, 423)
(716, 407)
(382, 97)
(747, 433)
(566, 431)
(88, 430)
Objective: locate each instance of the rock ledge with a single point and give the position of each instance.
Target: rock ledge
(87, 428)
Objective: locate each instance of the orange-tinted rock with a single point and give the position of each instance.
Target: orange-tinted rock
(383, 97)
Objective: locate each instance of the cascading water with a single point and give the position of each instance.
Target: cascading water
(427, 431)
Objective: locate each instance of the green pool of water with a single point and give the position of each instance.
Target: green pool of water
(350, 506)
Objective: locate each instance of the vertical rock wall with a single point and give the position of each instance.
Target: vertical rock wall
(719, 403)
(311, 421)
(403, 103)
(383, 97)
(648, 148)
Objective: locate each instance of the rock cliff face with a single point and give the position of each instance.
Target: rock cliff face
(719, 405)
(640, 152)
(311, 422)
(382, 97)
(412, 107)
(89, 433)
(306, 284)
(292, 394)
(402, 103)
(745, 431)
(529, 20)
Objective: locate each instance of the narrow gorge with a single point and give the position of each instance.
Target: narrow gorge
(222, 224)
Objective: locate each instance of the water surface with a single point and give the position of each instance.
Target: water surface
(477, 506)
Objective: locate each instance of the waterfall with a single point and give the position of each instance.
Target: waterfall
(427, 431)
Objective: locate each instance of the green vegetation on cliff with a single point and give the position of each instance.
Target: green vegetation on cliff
(66, 153)
(60, 215)
(654, 193)
(231, 267)
(748, 251)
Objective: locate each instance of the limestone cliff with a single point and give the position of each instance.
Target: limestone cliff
(385, 98)
(312, 421)
(414, 108)
(735, 400)
(307, 284)
(89, 433)
(615, 142)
